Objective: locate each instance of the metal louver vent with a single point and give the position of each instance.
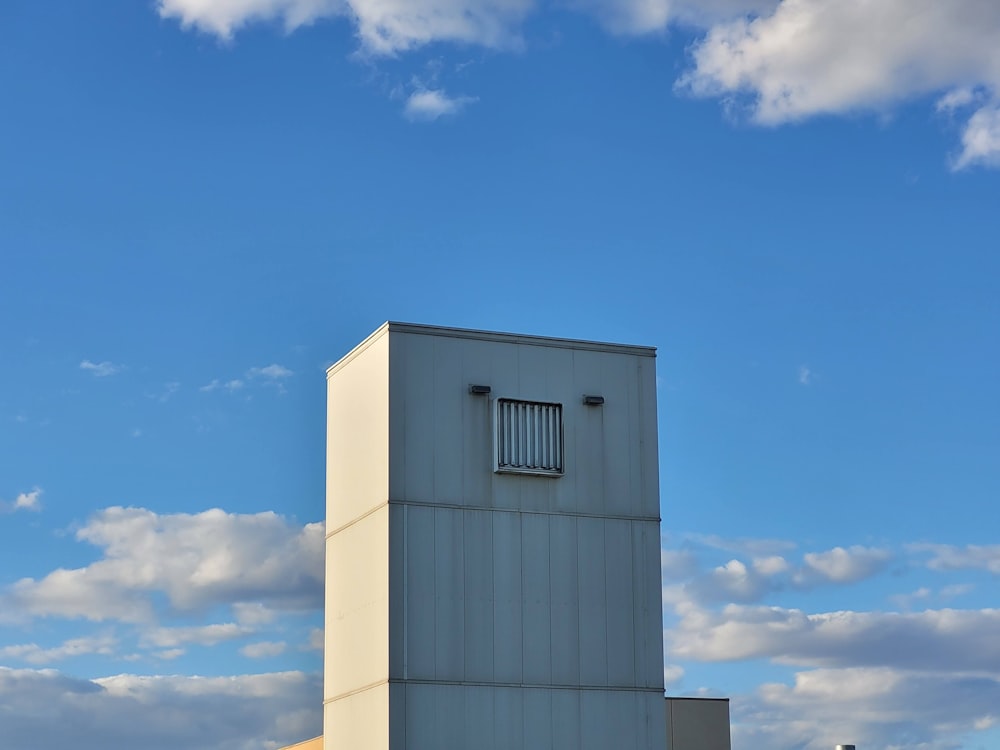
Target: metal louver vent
(528, 437)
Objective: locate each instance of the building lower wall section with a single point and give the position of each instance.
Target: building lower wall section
(429, 716)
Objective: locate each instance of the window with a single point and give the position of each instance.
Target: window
(528, 437)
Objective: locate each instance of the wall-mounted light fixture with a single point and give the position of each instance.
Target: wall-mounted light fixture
(593, 400)
(480, 390)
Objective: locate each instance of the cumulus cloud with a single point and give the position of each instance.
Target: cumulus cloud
(840, 565)
(751, 580)
(735, 581)
(194, 561)
(384, 27)
(100, 369)
(813, 57)
(869, 707)
(28, 501)
(431, 104)
(46, 709)
(942, 640)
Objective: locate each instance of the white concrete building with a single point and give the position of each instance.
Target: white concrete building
(493, 545)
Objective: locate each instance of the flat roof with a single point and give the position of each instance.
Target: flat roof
(498, 336)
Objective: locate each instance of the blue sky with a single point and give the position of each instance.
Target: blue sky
(204, 203)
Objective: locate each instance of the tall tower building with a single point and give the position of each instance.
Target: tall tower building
(493, 545)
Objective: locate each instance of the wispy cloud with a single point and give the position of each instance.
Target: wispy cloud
(230, 385)
(26, 501)
(270, 372)
(31, 653)
(100, 369)
(969, 557)
(430, 104)
(805, 375)
(167, 391)
(981, 139)
(202, 635)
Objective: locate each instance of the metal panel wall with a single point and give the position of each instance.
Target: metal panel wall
(441, 436)
(356, 658)
(519, 611)
(460, 717)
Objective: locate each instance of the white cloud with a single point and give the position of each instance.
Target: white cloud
(840, 565)
(958, 98)
(739, 580)
(263, 649)
(629, 16)
(169, 654)
(789, 59)
(169, 389)
(733, 581)
(29, 501)
(955, 590)
(100, 369)
(981, 139)
(271, 372)
(819, 56)
(672, 674)
(46, 709)
(317, 639)
(224, 17)
(253, 613)
(32, 653)
(193, 560)
(880, 707)
(430, 104)
(805, 375)
(812, 57)
(384, 27)
(941, 640)
(230, 385)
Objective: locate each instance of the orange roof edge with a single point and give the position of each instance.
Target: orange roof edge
(314, 744)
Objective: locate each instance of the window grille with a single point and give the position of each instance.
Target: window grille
(528, 437)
